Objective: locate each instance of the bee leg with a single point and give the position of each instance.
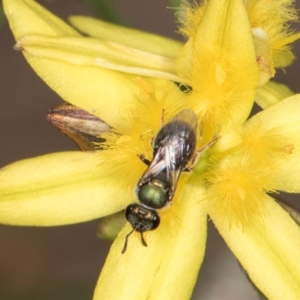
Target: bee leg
(162, 117)
(144, 159)
(143, 240)
(188, 169)
(126, 241)
(197, 155)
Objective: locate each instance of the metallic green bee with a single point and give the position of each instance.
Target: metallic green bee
(173, 148)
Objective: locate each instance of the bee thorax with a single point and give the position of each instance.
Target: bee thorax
(154, 194)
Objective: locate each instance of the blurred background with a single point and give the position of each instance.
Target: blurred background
(65, 262)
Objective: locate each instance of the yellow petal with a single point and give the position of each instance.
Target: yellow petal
(163, 270)
(269, 252)
(27, 16)
(90, 51)
(101, 92)
(127, 36)
(272, 93)
(284, 119)
(57, 189)
(219, 62)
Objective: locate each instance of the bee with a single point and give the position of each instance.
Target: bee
(174, 147)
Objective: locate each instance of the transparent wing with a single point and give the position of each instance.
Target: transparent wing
(187, 116)
(172, 172)
(173, 146)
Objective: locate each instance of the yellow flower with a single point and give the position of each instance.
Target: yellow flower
(272, 37)
(230, 182)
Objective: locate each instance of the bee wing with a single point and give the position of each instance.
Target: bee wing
(156, 166)
(173, 146)
(164, 160)
(180, 145)
(172, 170)
(189, 117)
(181, 141)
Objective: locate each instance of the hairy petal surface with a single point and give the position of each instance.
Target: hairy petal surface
(283, 119)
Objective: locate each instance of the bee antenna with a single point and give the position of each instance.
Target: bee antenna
(126, 241)
(143, 240)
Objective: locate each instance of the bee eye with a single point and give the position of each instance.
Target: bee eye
(155, 220)
(153, 196)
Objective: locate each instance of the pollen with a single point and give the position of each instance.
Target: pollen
(220, 75)
(144, 86)
(289, 149)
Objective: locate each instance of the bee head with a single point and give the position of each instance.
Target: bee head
(141, 219)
